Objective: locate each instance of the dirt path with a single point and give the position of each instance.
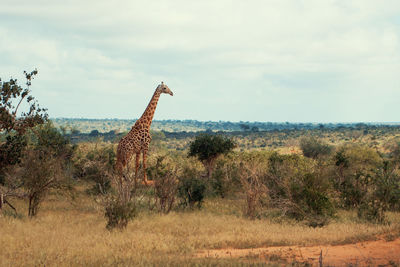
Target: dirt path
(371, 253)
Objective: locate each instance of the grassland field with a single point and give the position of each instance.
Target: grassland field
(69, 229)
(71, 232)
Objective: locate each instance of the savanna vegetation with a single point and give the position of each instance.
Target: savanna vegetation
(63, 204)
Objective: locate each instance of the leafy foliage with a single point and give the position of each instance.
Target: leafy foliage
(12, 93)
(208, 147)
(314, 148)
(367, 182)
(39, 173)
(119, 213)
(11, 150)
(252, 177)
(300, 188)
(43, 166)
(226, 176)
(354, 173)
(95, 164)
(191, 190)
(165, 183)
(15, 125)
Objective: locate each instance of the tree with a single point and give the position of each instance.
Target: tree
(42, 167)
(208, 147)
(314, 148)
(244, 127)
(300, 188)
(166, 183)
(354, 173)
(14, 125)
(12, 93)
(94, 133)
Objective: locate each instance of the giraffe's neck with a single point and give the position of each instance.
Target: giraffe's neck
(148, 114)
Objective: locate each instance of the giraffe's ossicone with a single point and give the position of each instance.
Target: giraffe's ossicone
(138, 139)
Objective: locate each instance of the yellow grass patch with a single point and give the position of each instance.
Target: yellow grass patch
(73, 233)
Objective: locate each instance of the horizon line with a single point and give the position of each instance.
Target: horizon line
(222, 121)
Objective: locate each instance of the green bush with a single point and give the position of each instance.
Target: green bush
(300, 188)
(44, 165)
(47, 137)
(225, 178)
(11, 150)
(314, 148)
(312, 199)
(118, 213)
(386, 185)
(383, 194)
(165, 180)
(395, 151)
(355, 173)
(207, 148)
(366, 182)
(372, 210)
(252, 174)
(191, 191)
(96, 165)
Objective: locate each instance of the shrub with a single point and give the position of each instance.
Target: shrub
(300, 188)
(372, 210)
(191, 190)
(314, 148)
(37, 174)
(120, 203)
(394, 151)
(383, 194)
(165, 183)
(386, 186)
(13, 122)
(207, 148)
(312, 200)
(366, 182)
(119, 213)
(355, 169)
(11, 150)
(252, 176)
(44, 165)
(95, 164)
(12, 93)
(226, 177)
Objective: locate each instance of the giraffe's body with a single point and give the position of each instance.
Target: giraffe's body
(137, 141)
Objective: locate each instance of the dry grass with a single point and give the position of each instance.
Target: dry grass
(66, 234)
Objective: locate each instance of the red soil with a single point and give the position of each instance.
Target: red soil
(370, 253)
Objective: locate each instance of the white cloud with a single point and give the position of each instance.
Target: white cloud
(276, 56)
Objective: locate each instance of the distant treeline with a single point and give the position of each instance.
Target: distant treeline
(247, 137)
(83, 125)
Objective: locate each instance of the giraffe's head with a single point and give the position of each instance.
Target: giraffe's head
(163, 88)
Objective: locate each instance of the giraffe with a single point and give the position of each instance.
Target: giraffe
(138, 139)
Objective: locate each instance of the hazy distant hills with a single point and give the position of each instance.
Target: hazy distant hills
(106, 125)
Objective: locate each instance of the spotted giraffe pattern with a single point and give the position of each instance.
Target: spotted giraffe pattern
(138, 139)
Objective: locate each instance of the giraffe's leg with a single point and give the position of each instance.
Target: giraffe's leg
(144, 167)
(137, 166)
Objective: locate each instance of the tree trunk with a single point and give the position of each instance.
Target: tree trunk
(30, 206)
(209, 165)
(33, 204)
(1, 201)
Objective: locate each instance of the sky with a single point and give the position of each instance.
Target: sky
(255, 60)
